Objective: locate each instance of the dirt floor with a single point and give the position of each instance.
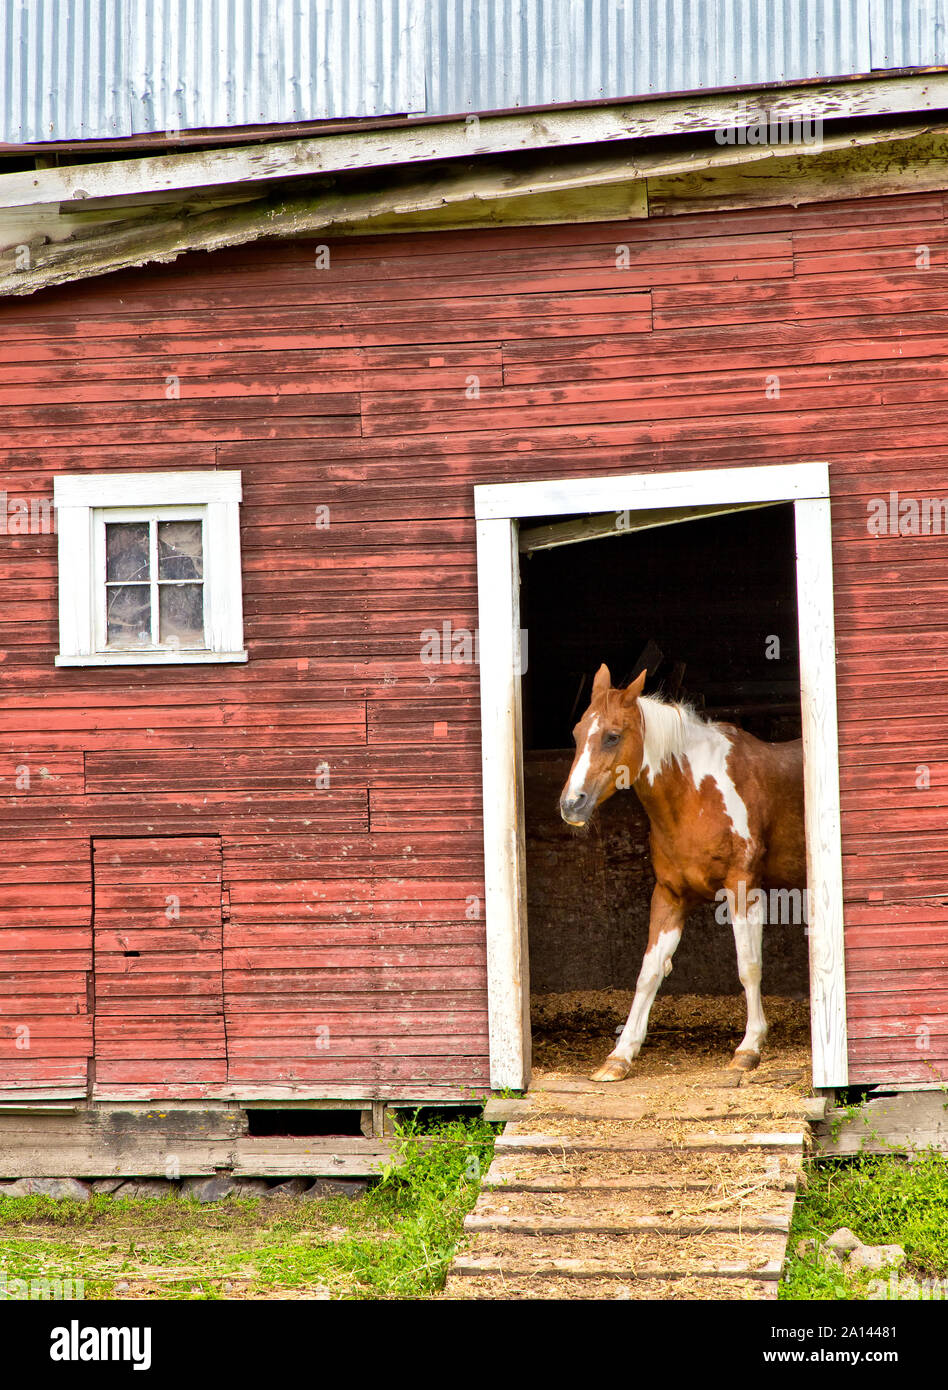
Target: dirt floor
(576, 1032)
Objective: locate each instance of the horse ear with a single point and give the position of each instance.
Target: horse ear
(633, 691)
(603, 681)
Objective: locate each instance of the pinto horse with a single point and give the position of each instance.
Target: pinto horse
(725, 812)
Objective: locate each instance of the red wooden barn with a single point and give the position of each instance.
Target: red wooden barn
(262, 703)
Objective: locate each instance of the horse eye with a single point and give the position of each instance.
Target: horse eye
(610, 740)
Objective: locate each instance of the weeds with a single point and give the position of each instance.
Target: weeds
(396, 1241)
(423, 1202)
(882, 1200)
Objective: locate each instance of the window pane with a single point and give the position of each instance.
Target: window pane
(129, 615)
(126, 550)
(181, 614)
(179, 550)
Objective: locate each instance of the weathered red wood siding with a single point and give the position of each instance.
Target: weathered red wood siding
(353, 909)
(158, 985)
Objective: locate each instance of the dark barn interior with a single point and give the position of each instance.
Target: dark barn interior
(709, 608)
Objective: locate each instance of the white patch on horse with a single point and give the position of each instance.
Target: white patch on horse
(656, 966)
(748, 932)
(663, 733)
(676, 732)
(581, 770)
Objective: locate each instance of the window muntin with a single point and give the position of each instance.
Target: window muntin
(153, 586)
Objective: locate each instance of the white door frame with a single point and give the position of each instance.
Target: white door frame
(498, 509)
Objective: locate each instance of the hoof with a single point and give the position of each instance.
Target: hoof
(745, 1061)
(612, 1069)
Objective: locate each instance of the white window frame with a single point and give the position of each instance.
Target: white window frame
(498, 509)
(85, 502)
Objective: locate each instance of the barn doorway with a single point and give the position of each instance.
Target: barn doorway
(568, 624)
(707, 608)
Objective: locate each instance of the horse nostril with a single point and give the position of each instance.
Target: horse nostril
(579, 801)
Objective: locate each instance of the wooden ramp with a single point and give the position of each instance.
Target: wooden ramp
(661, 1187)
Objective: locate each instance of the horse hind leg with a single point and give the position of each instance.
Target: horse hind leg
(748, 938)
(667, 917)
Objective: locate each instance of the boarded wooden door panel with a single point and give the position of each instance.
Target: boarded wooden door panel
(159, 1008)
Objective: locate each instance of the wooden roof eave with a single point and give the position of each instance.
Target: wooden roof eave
(485, 134)
(578, 188)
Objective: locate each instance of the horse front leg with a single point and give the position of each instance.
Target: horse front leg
(748, 938)
(666, 920)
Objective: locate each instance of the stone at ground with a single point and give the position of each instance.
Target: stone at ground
(252, 1187)
(107, 1185)
(57, 1188)
(843, 1240)
(208, 1189)
(145, 1187)
(805, 1248)
(336, 1187)
(293, 1187)
(876, 1257)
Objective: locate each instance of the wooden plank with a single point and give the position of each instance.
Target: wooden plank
(407, 1093)
(817, 649)
(470, 1266)
(501, 1110)
(502, 1177)
(643, 1142)
(643, 491)
(502, 774)
(361, 1165)
(67, 1091)
(588, 1106)
(571, 1224)
(169, 1142)
(453, 139)
(912, 1122)
(883, 169)
(554, 534)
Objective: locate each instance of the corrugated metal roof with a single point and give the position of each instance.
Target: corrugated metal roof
(538, 52)
(100, 69)
(909, 33)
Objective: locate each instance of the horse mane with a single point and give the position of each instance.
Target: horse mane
(670, 729)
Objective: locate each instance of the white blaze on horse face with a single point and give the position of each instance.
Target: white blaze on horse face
(577, 781)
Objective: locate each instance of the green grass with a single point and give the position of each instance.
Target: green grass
(883, 1201)
(395, 1242)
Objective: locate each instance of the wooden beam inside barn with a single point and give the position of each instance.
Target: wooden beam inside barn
(607, 524)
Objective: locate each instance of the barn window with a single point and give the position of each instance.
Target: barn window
(149, 568)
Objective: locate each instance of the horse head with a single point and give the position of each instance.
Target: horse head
(608, 748)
